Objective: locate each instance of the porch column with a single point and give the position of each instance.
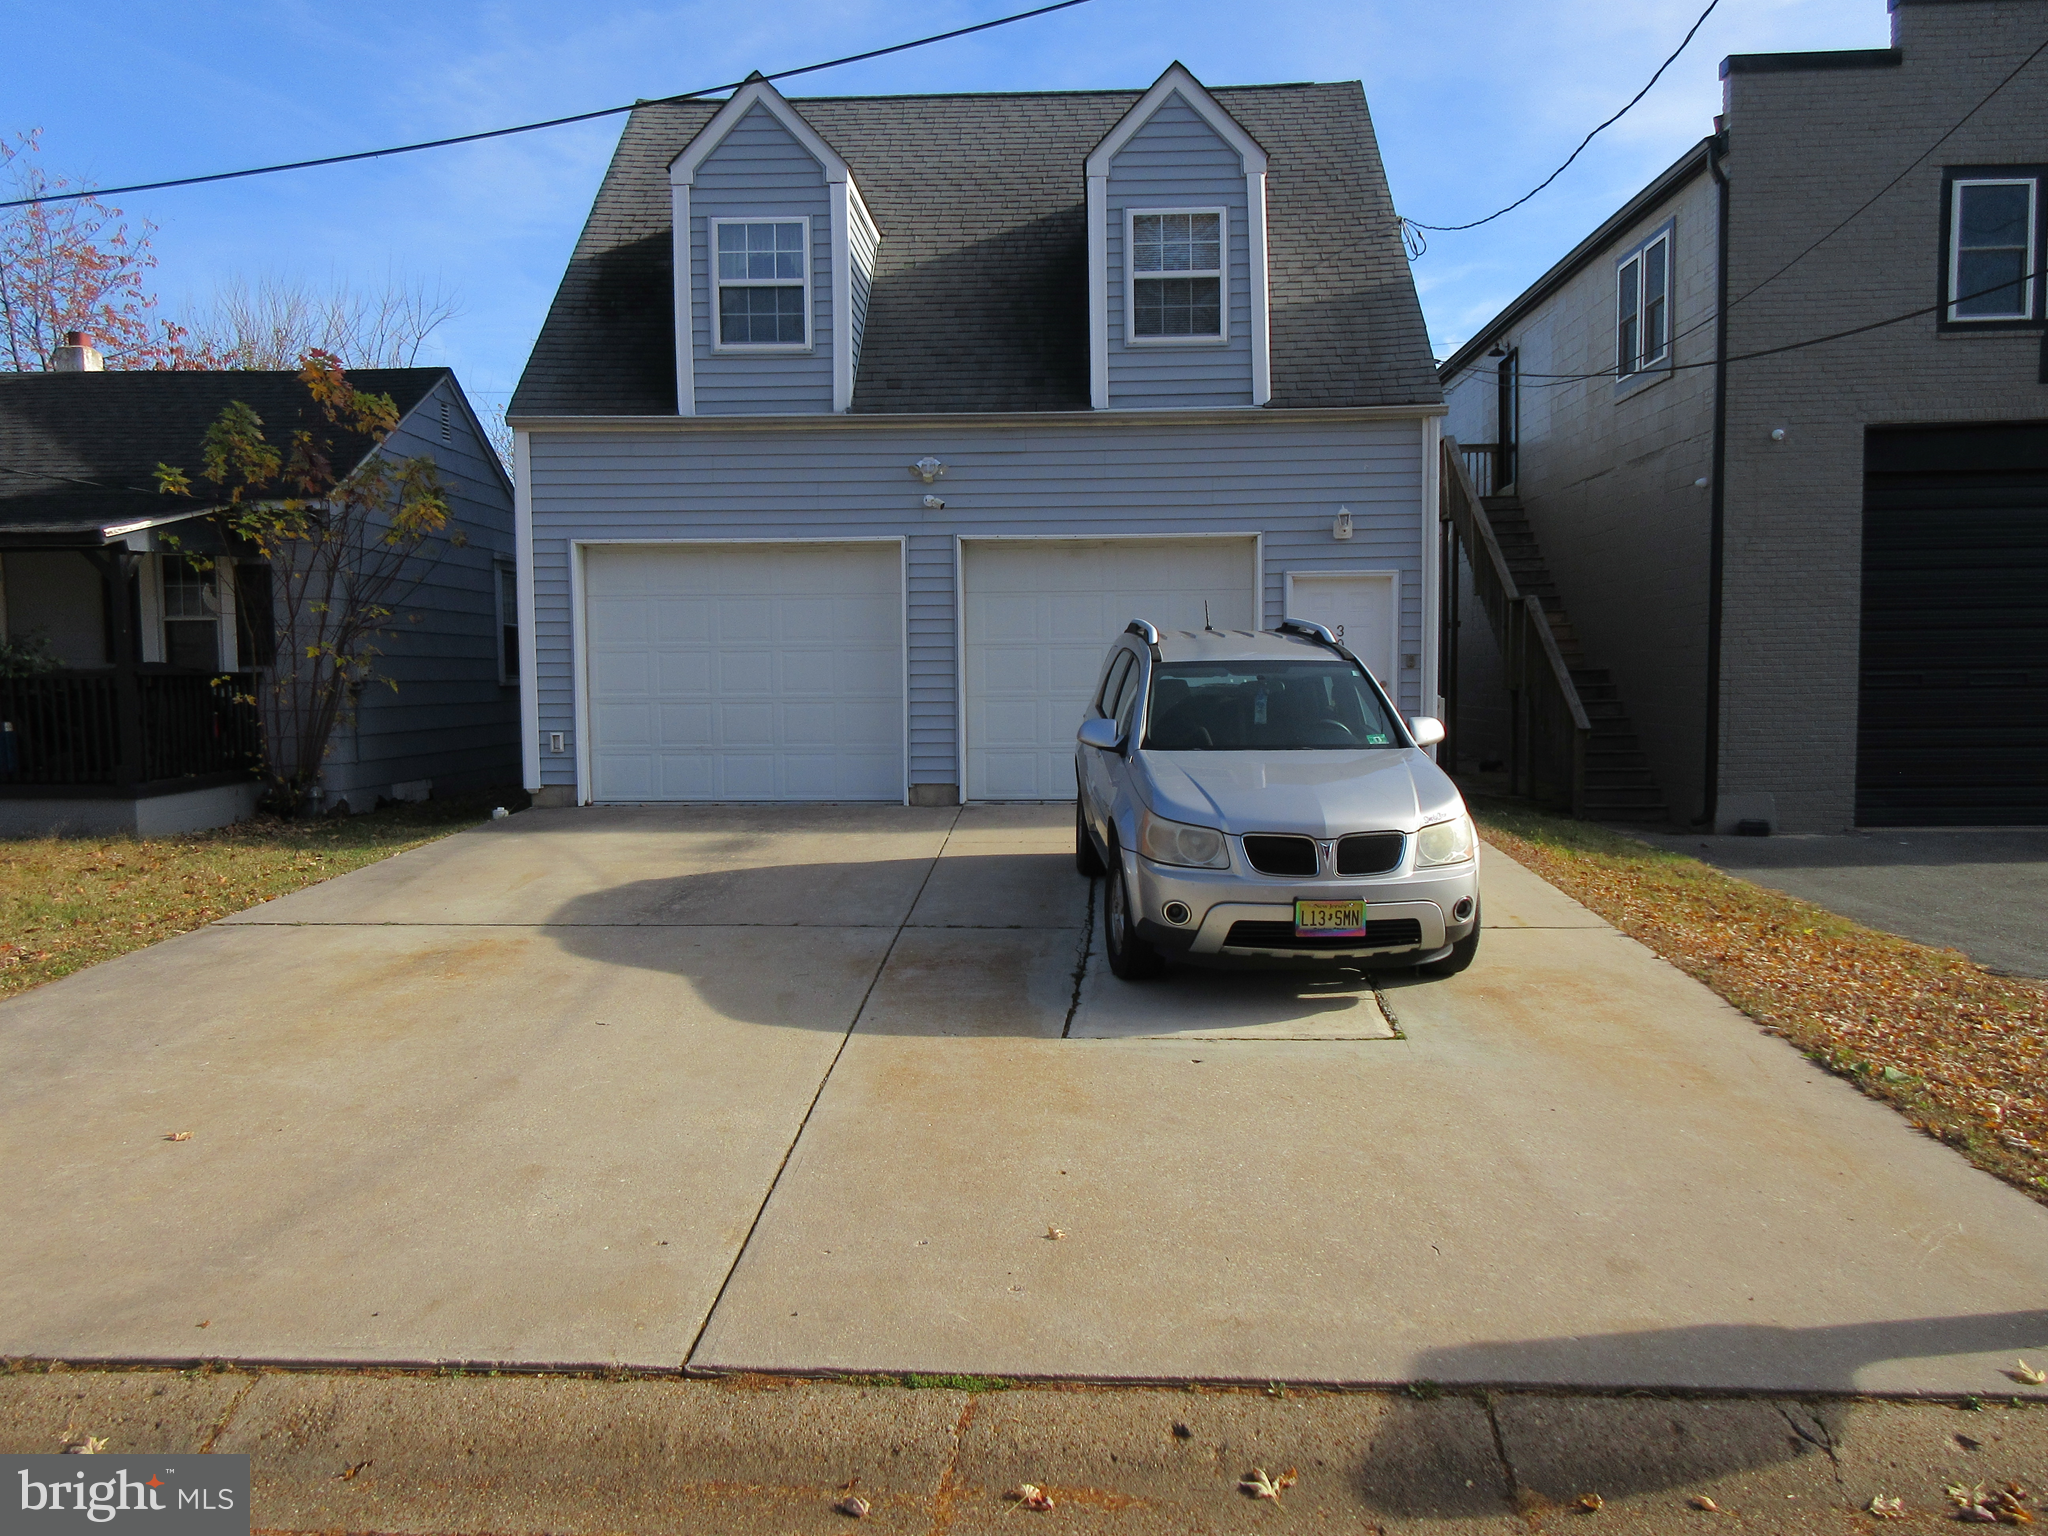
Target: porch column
(117, 564)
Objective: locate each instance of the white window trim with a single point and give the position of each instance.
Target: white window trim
(1132, 278)
(1955, 248)
(717, 283)
(1661, 362)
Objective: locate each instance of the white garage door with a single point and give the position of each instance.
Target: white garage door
(745, 672)
(1039, 615)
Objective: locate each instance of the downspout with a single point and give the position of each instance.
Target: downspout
(1717, 517)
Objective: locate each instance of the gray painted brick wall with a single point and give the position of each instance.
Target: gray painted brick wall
(1808, 149)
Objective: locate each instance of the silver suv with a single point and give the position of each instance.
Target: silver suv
(1256, 795)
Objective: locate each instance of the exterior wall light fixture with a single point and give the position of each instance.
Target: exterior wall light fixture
(1340, 527)
(934, 504)
(928, 469)
(1777, 434)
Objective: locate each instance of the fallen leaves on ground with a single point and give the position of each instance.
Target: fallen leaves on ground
(177, 1136)
(1260, 1486)
(1963, 1053)
(853, 1504)
(91, 1445)
(348, 1473)
(2025, 1373)
(1701, 1502)
(1030, 1496)
(1054, 1235)
(1999, 1506)
(1886, 1509)
(66, 903)
(1591, 1502)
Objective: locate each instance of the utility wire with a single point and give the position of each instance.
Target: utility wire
(553, 122)
(1554, 380)
(1546, 181)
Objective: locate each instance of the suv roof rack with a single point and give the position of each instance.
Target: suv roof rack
(1143, 629)
(1311, 630)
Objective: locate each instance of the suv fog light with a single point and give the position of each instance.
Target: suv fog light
(1462, 910)
(1177, 913)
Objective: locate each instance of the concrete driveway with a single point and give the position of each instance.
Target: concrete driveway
(810, 1089)
(1983, 892)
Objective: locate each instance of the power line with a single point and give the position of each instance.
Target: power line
(553, 122)
(1861, 209)
(1546, 181)
(1554, 380)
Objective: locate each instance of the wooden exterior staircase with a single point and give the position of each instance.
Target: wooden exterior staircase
(1574, 746)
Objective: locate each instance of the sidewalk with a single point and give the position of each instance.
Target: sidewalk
(506, 1455)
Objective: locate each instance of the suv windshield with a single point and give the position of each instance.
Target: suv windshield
(1265, 706)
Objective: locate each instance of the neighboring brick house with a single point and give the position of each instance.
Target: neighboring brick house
(143, 728)
(1819, 576)
(850, 442)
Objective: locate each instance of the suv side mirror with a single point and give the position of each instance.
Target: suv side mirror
(1101, 734)
(1427, 732)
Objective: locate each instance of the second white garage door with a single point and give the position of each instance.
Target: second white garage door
(745, 671)
(1039, 613)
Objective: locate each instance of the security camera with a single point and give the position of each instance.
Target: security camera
(934, 504)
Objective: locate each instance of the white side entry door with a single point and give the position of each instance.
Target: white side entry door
(1362, 609)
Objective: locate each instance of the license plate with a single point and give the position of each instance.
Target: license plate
(1329, 919)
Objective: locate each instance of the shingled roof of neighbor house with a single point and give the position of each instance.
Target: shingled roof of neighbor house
(79, 451)
(979, 300)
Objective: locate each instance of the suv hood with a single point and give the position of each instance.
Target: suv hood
(1322, 794)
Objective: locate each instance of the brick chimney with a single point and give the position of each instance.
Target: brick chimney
(77, 355)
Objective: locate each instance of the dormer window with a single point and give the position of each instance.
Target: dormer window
(764, 284)
(1176, 282)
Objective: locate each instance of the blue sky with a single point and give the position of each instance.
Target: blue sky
(1474, 103)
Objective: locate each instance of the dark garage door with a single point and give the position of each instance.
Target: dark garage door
(1953, 723)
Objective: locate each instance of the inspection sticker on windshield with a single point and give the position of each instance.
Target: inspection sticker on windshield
(1329, 919)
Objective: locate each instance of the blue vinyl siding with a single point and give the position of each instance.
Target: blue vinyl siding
(1176, 160)
(449, 719)
(861, 243)
(1284, 481)
(759, 170)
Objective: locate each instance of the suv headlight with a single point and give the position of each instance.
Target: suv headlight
(1175, 842)
(1445, 842)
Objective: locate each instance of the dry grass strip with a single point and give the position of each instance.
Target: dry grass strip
(70, 902)
(1961, 1052)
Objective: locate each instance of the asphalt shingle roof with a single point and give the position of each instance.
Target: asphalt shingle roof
(79, 451)
(979, 300)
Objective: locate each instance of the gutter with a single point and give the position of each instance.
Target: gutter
(1717, 517)
(968, 421)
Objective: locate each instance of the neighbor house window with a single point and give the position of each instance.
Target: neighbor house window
(191, 615)
(508, 623)
(1642, 306)
(762, 283)
(1994, 243)
(1176, 288)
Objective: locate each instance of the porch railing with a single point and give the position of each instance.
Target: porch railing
(1482, 466)
(1548, 730)
(65, 729)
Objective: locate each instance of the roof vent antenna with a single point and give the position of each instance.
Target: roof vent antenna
(1206, 625)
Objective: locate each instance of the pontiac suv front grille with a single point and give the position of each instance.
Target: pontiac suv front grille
(1369, 853)
(1271, 854)
(1380, 933)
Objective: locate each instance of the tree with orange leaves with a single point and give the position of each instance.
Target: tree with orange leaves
(77, 266)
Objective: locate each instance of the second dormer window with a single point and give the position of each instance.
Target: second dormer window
(763, 282)
(1176, 291)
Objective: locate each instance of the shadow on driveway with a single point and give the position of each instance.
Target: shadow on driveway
(1563, 1447)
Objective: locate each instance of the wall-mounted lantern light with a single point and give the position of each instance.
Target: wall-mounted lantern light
(928, 469)
(1340, 527)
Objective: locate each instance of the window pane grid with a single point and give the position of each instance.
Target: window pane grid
(1993, 238)
(1642, 308)
(760, 277)
(1189, 302)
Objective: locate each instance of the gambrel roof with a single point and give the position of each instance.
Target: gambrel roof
(980, 300)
